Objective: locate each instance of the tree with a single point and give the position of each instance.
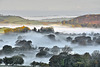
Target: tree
(46, 30)
(25, 29)
(7, 61)
(22, 29)
(54, 61)
(17, 60)
(67, 60)
(87, 59)
(41, 53)
(34, 29)
(13, 60)
(34, 63)
(25, 45)
(67, 49)
(40, 64)
(0, 61)
(7, 49)
(96, 58)
(69, 39)
(96, 54)
(55, 50)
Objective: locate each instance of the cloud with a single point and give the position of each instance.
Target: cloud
(45, 5)
(50, 5)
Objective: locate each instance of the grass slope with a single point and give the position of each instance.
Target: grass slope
(16, 20)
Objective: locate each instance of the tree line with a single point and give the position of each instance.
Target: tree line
(14, 60)
(75, 60)
(25, 29)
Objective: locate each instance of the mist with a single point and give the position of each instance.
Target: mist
(41, 40)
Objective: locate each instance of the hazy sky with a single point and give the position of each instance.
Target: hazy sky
(49, 7)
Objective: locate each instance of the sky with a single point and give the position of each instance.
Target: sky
(49, 7)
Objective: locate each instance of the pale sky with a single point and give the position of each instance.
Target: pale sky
(49, 7)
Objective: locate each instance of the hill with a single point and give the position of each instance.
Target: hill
(19, 20)
(55, 20)
(92, 20)
(16, 20)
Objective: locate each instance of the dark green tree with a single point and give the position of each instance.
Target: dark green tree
(0, 61)
(34, 29)
(7, 61)
(7, 49)
(17, 60)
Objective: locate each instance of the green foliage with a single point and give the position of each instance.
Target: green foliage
(67, 60)
(34, 64)
(0, 61)
(47, 30)
(22, 29)
(34, 29)
(7, 49)
(67, 49)
(7, 61)
(17, 60)
(13, 60)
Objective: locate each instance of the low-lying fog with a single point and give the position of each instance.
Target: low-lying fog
(40, 40)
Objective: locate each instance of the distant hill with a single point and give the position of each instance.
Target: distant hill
(55, 20)
(86, 20)
(92, 20)
(19, 20)
(16, 20)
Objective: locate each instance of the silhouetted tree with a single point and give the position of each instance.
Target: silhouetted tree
(7, 61)
(67, 49)
(1, 61)
(7, 49)
(17, 60)
(55, 50)
(34, 29)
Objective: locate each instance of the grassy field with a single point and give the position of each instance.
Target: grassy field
(16, 20)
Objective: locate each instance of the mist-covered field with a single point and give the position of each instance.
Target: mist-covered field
(40, 40)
